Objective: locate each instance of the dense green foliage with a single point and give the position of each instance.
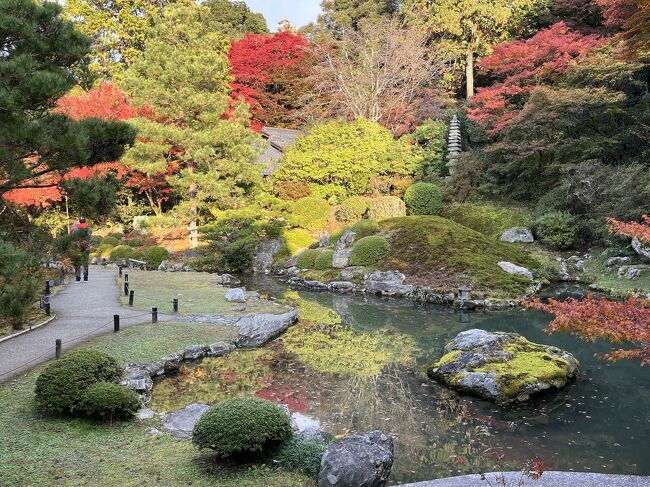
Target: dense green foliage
(386, 207)
(241, 426)
(368, 251)
(488, 219)
(296, 239)
(61, 386)
(120, 252)
(364, 228)
(18, 283)
(339, 15)
(352, 209)
(423, 199)
(154, 256)
(557, 229)
(338, 159)
(301, 455)
(307, 258)
(234, 18)
(106, 400)
(430, 138)
(324, 260)
(110, 240)
(310, 213)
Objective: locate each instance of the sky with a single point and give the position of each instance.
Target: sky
(299, 12)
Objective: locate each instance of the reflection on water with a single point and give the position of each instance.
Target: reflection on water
(357, 364)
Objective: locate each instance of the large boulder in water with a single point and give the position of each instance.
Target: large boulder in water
(502, 367)
(256, 330)
(363, 460)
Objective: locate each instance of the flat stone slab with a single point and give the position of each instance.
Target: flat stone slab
(548, 479)
(256, 330)
(502, 367)
(181, 423)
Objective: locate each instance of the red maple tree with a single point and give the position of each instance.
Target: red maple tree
(640, 230)
(267, 70)
(518, 67)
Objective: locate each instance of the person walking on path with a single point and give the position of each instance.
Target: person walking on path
(80, 233)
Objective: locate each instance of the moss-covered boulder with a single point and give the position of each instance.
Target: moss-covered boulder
(502, 367)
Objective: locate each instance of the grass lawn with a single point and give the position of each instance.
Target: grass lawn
(196, 295)
(41, 451)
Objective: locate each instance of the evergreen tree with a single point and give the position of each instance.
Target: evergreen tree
(37, 145)
(235, 19)
(183, 77)
(339, 15)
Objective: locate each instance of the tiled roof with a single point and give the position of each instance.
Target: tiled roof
(279, 140)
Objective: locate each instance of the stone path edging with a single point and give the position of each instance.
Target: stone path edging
(22, 332)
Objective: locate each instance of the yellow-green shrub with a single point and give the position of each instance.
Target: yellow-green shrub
(369, 251)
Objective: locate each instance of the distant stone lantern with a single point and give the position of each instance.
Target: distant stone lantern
(464, 293)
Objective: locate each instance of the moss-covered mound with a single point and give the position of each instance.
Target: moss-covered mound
(439, 253)
(502, 367)
(490, 220)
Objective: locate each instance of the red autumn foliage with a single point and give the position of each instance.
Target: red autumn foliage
(593, 319)
(106, 102)
(617, 12)
(518, 67)
(267, 69)
(294, 400)
(632, 229)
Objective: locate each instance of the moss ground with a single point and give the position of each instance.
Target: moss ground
(489, 220)
(597, 273)
(196, 295)
(41, 452)
(443, 254)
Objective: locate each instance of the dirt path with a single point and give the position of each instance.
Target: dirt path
(83, 310)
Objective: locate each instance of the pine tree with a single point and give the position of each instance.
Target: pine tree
(183, 77)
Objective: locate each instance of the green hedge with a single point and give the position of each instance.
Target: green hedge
(311, 213)
(324, 260)
(352, 209)
(154, 256)
(244, 425)
(106, 400)
(307, 259)
(423, 199)
(369, 251)
(120, 252)
(557, 229)
(296, 239)
(386, 207)
(61, 386)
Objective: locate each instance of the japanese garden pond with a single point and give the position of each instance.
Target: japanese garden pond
(357, 364)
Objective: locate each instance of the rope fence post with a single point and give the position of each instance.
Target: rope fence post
(126, 288)
(48, 310)
(116, 323)
(119, 270)
(131, 296)
(47, 288)
(57, 348)
(126, 278)
(154, 315)
(175, 303)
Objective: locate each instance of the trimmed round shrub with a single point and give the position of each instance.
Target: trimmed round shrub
(324, 260)
(423, 199)
(364, 228)
(242, 426)
(557, 229)
(107, 400)
(292, 190)
(60, 387)
(104, 250)
(137, 254)
(135, 242)
(352, 209)
(386, 207)
(307, 259)
(311, 213)
(120, 252)
(112, 241)
(297, 239)
(154, 256)
(369, 251)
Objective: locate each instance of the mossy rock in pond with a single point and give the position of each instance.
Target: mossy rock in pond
(502, 367)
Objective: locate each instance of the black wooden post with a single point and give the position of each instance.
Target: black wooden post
(175, 302)
(154, 315)
(47, 287)
(116, 323)
(119, 268)
(57, 348)
(48, 311)
(131, 295)
(126, 278)
(126, 288)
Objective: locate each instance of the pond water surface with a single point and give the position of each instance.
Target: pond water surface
(357, 364)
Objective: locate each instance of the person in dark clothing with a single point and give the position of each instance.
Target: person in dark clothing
(80, 232)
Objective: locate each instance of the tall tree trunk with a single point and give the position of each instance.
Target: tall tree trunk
(469, 71)
(194, 234)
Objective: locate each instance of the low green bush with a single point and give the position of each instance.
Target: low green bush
(307, 258)
(423, 199)
(154, 256)
(369, 251)
(107, 400)
(311, 213)
(297, 239)
(120, 252)
(243, 425)
(300, 455)
(95, 241)
(364, 228)
(352, 209)
(135, 242)
(110, 240)
(324, 260)
(386, 207)
(104, 250)
(557, 229)
(61, 386)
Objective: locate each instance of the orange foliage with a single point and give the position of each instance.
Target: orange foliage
(632, 229)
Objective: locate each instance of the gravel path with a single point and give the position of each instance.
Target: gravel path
(83, 310)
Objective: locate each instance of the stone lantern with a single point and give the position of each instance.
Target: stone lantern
(464, 293)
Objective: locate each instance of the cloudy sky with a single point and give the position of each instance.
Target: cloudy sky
(299, 12)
